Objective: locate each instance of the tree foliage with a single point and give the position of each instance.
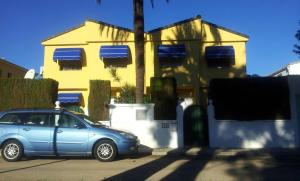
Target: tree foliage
(296, 46)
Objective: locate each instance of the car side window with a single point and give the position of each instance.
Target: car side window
(68, 121)
(10, 119)
(36, 119)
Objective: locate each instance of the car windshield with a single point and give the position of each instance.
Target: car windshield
(89, 120)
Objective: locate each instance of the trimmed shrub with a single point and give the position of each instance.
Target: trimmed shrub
(27, 93)
(163, 94)
(99, 98)
(256, 98)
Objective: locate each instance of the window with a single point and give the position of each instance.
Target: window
(0, 73)
(10, 119)
(9, 75)
(71, 65)
(220, 56)
(39, 119)
(68, 121)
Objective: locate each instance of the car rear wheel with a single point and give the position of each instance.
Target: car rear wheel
(12, 151)
(105, 151)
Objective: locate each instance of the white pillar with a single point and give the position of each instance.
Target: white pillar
(57, 105)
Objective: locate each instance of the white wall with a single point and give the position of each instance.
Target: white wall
(257, 134)
(294, 69)
(139, 120)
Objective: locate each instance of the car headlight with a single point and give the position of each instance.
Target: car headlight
(127, 135)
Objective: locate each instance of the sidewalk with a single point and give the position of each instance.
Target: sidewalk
(225, 153)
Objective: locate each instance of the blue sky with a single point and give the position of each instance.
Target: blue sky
(271, 24)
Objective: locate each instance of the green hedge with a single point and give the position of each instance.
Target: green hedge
(27, 93)
(255, 98)
(99, 98)
(163, 94)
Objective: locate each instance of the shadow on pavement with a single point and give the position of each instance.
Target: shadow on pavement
(189, 170)
(282, 164)
(33, 166)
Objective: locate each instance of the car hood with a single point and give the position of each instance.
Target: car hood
(110, 129)
(113, 129)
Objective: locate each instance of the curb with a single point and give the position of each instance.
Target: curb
(226, 153)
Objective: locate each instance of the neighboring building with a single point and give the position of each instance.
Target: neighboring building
(291, 69)
(194, 51)
(8, 69)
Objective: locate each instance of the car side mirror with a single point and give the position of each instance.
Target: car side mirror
(79, 126)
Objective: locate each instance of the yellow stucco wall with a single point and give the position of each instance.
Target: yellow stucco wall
(191, 74)
(7, 68)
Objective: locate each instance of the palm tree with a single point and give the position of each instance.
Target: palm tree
(297, 47)
(138, 11)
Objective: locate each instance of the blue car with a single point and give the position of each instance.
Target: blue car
(43, 132)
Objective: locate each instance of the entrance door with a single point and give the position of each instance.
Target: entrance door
(195, 126)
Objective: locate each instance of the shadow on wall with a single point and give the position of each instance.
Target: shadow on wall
(193, 70)
(263, 134)
(162, 134)
(116, 34)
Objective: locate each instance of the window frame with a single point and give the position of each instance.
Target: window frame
(79, 121)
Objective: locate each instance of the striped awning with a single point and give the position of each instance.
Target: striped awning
(219, 52)
(69, 97)
(67, 54)
(171, 51)
(114, 51)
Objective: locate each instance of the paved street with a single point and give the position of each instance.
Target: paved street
(187, 167)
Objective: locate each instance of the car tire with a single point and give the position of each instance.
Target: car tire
(105, 151)
(12, 151)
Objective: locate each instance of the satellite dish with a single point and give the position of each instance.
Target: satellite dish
(30, 74)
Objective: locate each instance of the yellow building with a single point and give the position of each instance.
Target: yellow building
(9, 70)
(193, 51)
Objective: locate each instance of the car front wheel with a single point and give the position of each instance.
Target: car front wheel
(12, 151)
(105, 151)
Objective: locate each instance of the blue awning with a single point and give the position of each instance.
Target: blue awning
(115, 51)
(219, 52)
(68, 54)
(69, 97)
(171, 51)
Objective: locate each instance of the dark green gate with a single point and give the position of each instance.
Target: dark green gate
(195, 126)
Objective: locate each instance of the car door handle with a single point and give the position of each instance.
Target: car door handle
(59, 131)
(26, 129)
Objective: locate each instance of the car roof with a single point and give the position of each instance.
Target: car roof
(33, 110)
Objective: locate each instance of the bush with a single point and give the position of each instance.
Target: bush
(127, 94)
(163, 94)
(99, 98)
(27, 93)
